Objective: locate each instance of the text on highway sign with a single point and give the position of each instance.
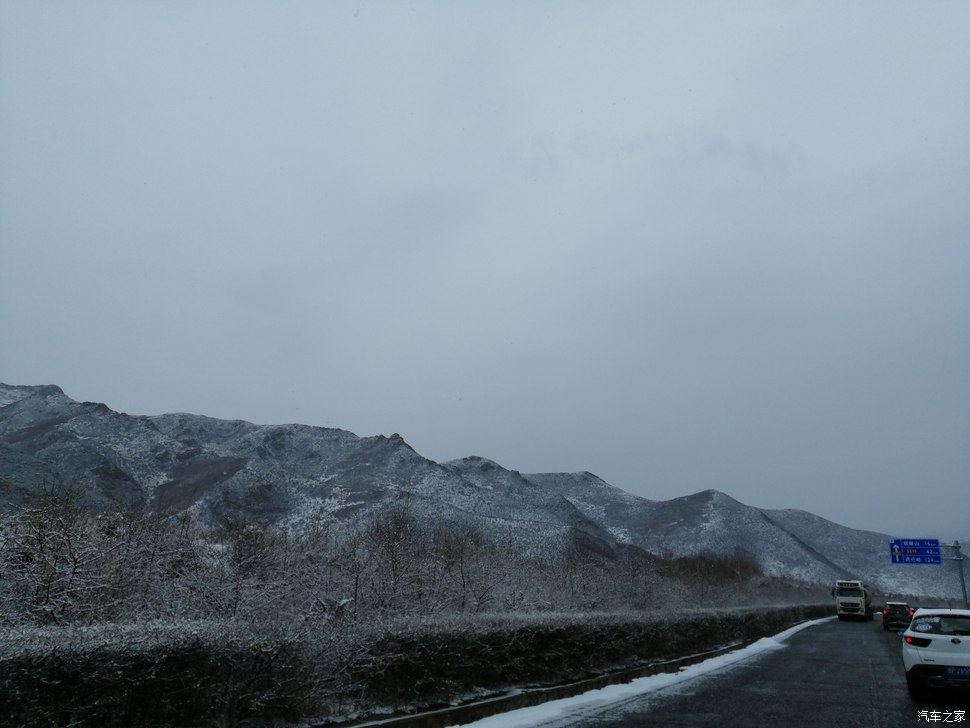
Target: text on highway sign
(915, 551)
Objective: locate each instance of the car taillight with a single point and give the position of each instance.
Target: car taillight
(910, 612)
(917, 641)
(885, 612)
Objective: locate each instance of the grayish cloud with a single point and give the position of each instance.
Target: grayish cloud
(680, 245)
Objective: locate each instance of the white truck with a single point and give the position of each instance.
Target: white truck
(853, 600)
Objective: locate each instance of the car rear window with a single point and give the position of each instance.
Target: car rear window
(942, 624)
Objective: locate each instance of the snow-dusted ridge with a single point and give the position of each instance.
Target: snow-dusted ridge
(289, 474)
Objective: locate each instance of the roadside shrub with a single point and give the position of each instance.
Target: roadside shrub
(229, 673)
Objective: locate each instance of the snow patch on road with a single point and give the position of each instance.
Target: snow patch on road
(559, 710)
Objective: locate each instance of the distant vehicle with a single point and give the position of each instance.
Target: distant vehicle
(936, 652)
(852, 599)
(896, 615)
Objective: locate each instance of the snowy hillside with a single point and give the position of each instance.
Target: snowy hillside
(289, 474)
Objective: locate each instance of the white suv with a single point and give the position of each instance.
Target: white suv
(936, 651)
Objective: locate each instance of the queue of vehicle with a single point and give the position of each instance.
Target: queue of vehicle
(935, 642)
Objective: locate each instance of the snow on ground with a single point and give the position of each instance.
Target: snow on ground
(558, 710)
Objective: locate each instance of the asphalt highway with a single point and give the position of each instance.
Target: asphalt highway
(830, 674)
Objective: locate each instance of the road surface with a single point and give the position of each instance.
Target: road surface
(830, 674)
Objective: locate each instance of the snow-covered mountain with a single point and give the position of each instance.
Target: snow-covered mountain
(286, 474)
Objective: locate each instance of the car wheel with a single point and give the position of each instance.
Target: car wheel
(917, 689)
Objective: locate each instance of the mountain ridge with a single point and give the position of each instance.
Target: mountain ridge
(215, 469)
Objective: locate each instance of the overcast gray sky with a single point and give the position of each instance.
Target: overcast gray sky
(682, 245)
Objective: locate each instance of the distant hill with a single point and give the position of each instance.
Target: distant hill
(286, 474)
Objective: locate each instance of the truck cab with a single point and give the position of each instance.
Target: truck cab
(852, 599)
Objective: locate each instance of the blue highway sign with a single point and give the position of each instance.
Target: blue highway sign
(915, 551)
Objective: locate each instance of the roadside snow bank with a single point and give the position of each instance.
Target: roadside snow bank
(559, 709)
